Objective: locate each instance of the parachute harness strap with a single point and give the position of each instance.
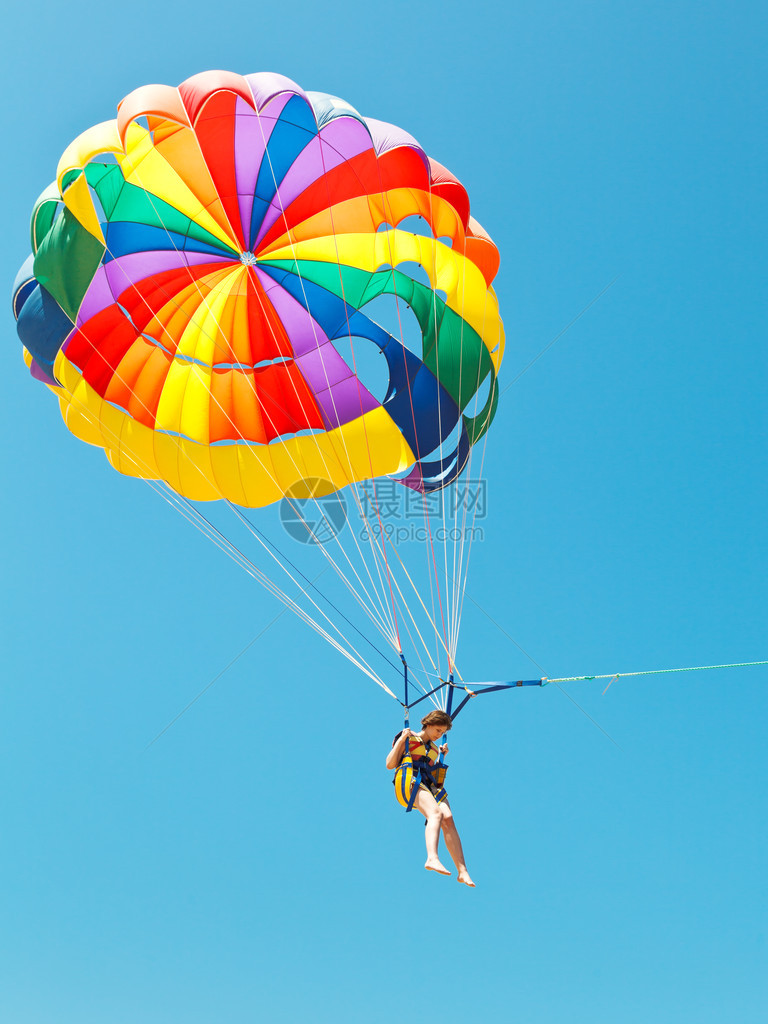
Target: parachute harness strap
(416, 770)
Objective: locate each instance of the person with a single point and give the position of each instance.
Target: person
(431, 799)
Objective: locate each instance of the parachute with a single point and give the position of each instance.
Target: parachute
(206, 298)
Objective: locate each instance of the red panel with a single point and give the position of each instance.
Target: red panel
(286, 402)
(196, 90)
(146, 298)
(235, 412)
(447, 185)
(138, 383)
(267, 336)
(360, 176)
(215, 130)
(99, 345)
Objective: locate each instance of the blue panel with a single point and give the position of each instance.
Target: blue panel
(420, 406)
(414, 395)
(21, 294)
(23, 284)
(43, 326)
(441, 472)
(125, 237)
(294, 130)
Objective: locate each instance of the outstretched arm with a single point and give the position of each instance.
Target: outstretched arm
(395, 756)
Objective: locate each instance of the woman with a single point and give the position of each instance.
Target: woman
(431, 798)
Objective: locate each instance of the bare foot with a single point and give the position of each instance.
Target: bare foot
(464, 877)
(433, 864)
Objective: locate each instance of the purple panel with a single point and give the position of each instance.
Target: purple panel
(389, 136)
(252, 133)
(346, 399)
(40, 373)
(342, 139)
(265, 85)
(344, 402)
(414, 479)
(323, 368)
(98, 297)
(305, 334)
(111, 279)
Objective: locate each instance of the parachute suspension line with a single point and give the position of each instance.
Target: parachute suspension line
(382, 534)
(424, 669)
(272, 586)
(296, 509)
(264, 540)
(185, 508)
(433, 281)
(449, 597)
(311, 319)
(379, 556)
(407, 704)
(390, 219)
(425, 506)
(251, 383)
(382, 607)
(215, 342)
(410, 615)
(458, 558)
(193, 515)
(460, 581)
(456, 564)
(421, 602)
(224, 413)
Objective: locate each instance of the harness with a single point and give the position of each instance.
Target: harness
(415, 770)
(411, 773)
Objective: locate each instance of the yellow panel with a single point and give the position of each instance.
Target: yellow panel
(370, 211)
(448, 270)
(195, 412)
(252, 475)
(142, 165)
(227, 472)
(102, 138)
(77, 198)
(202, 337)
(135, 456)
(168, 415)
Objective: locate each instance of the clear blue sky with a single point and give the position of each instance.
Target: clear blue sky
(252, 865)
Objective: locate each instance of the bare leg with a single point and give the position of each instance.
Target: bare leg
(452, 841)
(429, 807)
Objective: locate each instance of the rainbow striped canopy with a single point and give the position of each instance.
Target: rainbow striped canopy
(201, 265)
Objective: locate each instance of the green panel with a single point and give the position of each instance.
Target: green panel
(462, 358)
(478, 425)
(66, 261)
(448, 341)
(43, 214)
(122, 201)
(69, 177)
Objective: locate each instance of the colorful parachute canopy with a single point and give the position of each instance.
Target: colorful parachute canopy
(201, 265)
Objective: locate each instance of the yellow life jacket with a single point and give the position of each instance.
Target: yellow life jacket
(418, 767)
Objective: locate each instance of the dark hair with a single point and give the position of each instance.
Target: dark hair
(437, 718)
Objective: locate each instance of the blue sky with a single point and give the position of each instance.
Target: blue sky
(252, 863)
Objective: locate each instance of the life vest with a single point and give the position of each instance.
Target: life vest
(419, 766)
